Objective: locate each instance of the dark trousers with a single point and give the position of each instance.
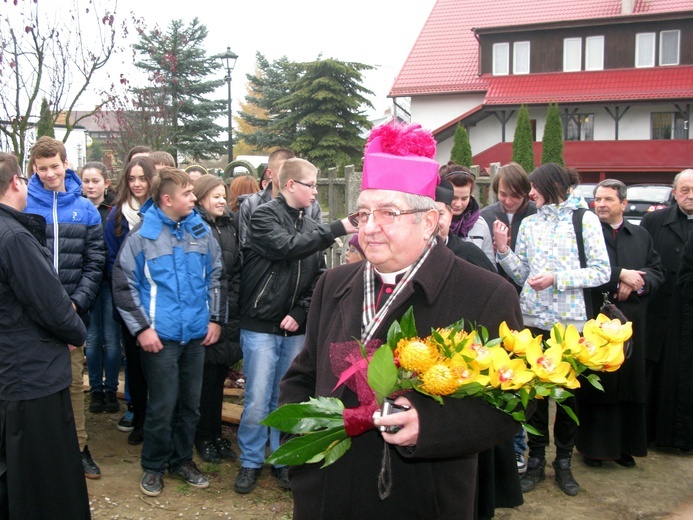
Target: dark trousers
(137, 384)
(41, 474)
(211, 401)
(174, 378)
(564, 428)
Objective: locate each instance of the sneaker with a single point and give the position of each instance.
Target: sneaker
(246, 480)
(189, 473)
(536, 472)
(224, 448)
(126, 423)
(97, 403)
(111, 402)
(91, 470)
(521, 463)
(208, 451)
(282, 475)
(136, 436)
(151, 484)
(564, 477)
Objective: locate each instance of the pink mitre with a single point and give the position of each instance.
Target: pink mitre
(399, 157)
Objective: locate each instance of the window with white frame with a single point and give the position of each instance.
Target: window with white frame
(669, 47)
(501, 59)
(521, 58)
(580, 127)
(572, 54)
(645, 50)
(594, 53)
(668, 125)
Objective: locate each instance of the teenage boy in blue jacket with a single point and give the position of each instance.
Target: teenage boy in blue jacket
(169, 287)
(74, 236)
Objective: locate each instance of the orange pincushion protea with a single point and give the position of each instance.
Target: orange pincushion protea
(415, 355)
(440, 379)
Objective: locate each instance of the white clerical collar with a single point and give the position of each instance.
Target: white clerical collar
(391, 278)
(616, 226)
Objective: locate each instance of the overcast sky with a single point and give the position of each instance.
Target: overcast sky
(375, 32)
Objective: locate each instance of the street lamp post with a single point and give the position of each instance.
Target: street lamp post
(229, 60)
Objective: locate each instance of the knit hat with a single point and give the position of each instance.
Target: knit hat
(399, 157)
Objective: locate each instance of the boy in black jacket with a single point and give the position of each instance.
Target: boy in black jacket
(282, 262)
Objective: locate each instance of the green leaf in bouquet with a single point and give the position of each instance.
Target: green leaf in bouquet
(531, 429)
(468, 389)
(524, 397)
(560, 394)
(483, 334)
(336, 451)
(557, 334)
(382, 373)
(493, 343)
(407, 324)
(542, 391)
(311, 447)
(519, 416)
(569, 411)
(297, 418)
(595, 381)
(394, 334)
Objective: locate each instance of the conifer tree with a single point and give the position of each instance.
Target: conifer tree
(461, 152)
(552, 141)
(523, 150)
(45, 122)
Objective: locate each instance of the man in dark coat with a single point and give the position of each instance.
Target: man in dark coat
(612, 423)
(433, 458)
(40, 465)
(670, 401)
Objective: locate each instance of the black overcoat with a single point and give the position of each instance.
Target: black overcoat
(672, 386)
(437, 478)
(633, 249)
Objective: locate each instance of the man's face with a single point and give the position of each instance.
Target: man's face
(608, 207)
(181, 203)
(444, 220)
(683, 193)
(510, 201)
(51, 171)
(394, 246)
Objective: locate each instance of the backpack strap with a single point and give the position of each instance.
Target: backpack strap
(577, 224)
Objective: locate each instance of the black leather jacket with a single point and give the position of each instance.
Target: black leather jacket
(282, 262)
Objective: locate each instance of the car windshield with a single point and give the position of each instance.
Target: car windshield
(649, 193)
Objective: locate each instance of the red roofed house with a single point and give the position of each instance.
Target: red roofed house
(620, 70)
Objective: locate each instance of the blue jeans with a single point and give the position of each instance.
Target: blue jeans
(266, 358)
(520, 442)
(174, 379)
(103, 343)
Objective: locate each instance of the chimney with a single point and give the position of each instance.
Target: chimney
(627, 6)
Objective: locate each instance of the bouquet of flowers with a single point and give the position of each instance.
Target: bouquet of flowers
(507, 372)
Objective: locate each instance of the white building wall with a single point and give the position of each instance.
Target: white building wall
(435, 111)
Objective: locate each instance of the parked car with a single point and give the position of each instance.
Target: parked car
(587, 192)
(645, 198)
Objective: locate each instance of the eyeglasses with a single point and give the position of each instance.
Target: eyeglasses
(309, 186)
(25, 179)
(383, 217)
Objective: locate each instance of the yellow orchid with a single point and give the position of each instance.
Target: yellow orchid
(454, 341)
(612, 331)
(508, 374)
(468, 372)
(548, 364)
(415, 355)
(515, 341)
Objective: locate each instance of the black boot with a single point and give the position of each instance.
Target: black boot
(565, 478)
(536, 472)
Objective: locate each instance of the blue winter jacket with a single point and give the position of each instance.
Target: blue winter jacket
(168, 276)
(76, 242)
